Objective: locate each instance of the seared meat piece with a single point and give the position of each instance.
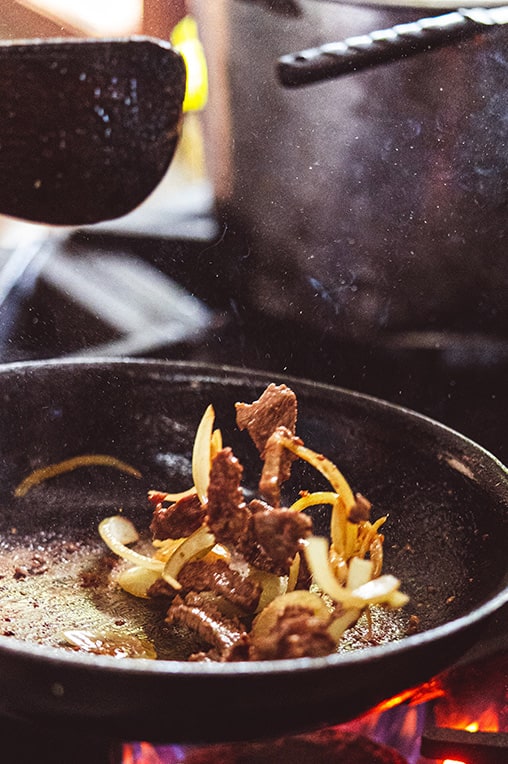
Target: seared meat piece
(304, 579)
(206, 621)
(218, 577)
(237, 652)
(258, 505)
(161, 589)
(277, 465)
(252, 553)
(174, 521)
(274, 537)
(275, 410)
(227, 513)
(298, 633)
(279, 533)
(289, 531)
(277, 407)
(360, 511)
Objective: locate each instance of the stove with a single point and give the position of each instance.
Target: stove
(176, 291)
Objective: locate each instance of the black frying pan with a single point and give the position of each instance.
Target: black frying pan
(446, 539)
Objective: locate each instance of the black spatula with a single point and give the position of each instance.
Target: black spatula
(88, 128)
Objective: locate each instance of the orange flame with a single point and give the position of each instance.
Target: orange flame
(487, 721)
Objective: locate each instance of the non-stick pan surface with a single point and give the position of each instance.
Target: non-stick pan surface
(446, 539)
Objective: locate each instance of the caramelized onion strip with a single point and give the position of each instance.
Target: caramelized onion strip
(313, 499)
(202, 454)
(68, 465)
(116, 532)
(195, 546)
(324, 466)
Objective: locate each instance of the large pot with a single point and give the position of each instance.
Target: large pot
(376, 202)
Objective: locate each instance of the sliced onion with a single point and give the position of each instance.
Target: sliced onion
(351, 540)
(116, 532)
(376, 555)
(123, 529)
(316, 554)
(68, 465)
(367, 533)
(359, 572)
(216, 443)
(324, 466)
(266, 620)
(343, 622)
(164, 549)
(312, 499)
(137, 581)
(338, 565)
(175, 496)
(272, 586)
(193, 547)
(201, 454)
(219, 552)
(338, 527)
(378, 590)
(397, 599)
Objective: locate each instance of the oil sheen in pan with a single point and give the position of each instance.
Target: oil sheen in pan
(50, 584)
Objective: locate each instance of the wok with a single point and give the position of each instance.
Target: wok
(446, 539)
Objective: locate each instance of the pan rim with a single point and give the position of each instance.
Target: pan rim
(55, 656)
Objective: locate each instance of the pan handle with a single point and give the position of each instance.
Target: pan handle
(334, 59)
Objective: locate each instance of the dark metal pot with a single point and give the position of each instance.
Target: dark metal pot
(447, 536)
(375, 203)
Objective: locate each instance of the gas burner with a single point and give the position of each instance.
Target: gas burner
(333, 744)
(469, 722)
(465, 746)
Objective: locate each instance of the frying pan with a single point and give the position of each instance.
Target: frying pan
(446, 538)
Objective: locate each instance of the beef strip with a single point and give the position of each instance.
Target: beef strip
(279, 532)
(304, 578)
(227, 514)
(206, 621)
(239, 651)
(277, 462)
(273, 538)
(176, 520)
(218, 577)
(275, 410)
(276, 407)
(298, 633)
(250, 550)
(360, 511)
(160, 589)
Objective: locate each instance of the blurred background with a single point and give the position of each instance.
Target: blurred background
(339, 232)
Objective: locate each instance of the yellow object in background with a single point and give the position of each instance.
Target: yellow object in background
(186, 40)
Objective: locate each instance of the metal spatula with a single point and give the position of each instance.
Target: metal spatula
(88, 128)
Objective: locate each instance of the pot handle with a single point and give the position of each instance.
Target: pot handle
(331, 60)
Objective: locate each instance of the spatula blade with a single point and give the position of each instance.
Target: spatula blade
(88, 128)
